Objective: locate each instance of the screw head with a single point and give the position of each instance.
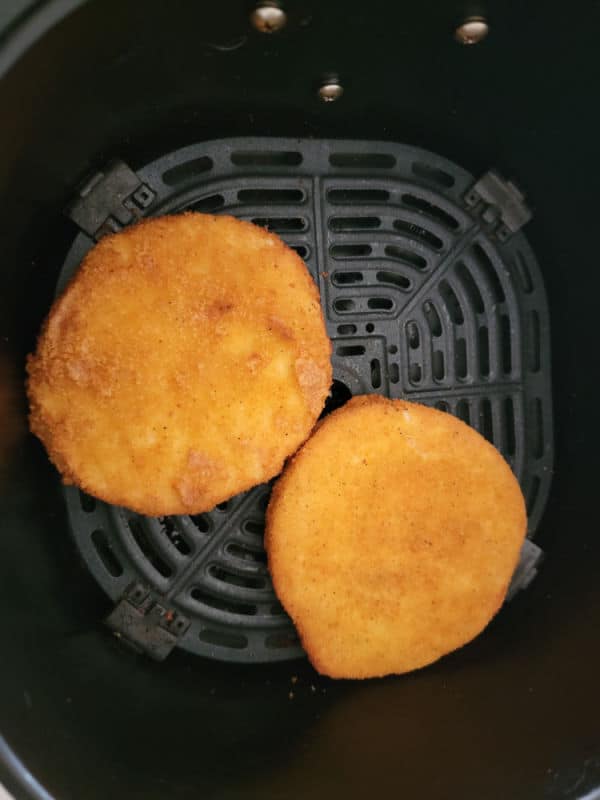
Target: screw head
(472, 31)
(331, 90)
(268, 18)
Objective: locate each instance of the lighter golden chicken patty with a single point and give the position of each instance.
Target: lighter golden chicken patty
(184, 362)
(392, 537)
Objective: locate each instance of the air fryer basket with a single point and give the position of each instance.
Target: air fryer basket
(410, 199)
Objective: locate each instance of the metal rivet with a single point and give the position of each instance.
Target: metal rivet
(472, 31)
(268, 18)
(330, 91)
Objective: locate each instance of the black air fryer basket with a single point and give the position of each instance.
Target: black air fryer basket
(434, 165)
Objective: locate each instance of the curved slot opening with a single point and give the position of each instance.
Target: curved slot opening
(221, 603)
(281, 224)
(432, 318)
(451, 302)
(486, 426)
(233, 579)
(346, 278)
(506, 344)
(417, 232)
(394, 278)
(255, 527)
(534, 341)
(437, 365)
(187, 171)
(484, 352)
(430, 210)
(394, 373)
(412, 335)
(343, 305)
(346, 330)
(354, 223)
(406, 256)
(235, 641)
(375, 373)
(484, 262)
(460, 358)
(415, 373)
(87, 502)
(357, 196)
(509, 426)
(281, 640)
(380, 303)
(202, 522)
(463, 411)
(205, 204)
(106, 554)
(350, 350)
(470, 288)
(350, 250)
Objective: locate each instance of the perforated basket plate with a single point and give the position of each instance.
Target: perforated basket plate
(423, 299)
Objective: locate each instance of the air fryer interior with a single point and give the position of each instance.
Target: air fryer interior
(512, 715)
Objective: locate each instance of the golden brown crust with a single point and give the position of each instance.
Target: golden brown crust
(166, 376)
(392, 536)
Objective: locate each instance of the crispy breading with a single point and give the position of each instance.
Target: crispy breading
(186, 360)
(392, 536)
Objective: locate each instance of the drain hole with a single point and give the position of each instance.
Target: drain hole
(406, 256)
(190, 169)
(357, 196)
(87, 502)
(266, 158)
(221, 604)
(471, 288)
(174, 536)
(243, 553)
(460, 358)
(509, 420)
(270, 196)
(338, 396)
(202, 522)
(532, 494)
(437, 365)
(233, 579)
(534, 338)
(142, 541)
(369, 327)
(346, 278)
(432, 318)
(451, 302)
(463, 411)
(380, 303)
(506, 344)
(375, 373)
(346, 330)
(350, 250)
(412, 335)
(235, 641)
(524, 274)
(350, 350)
(394, 373)
(277, 641)
(485, 419)
(354, 223)
(394, 278)
(420, 204)
(417, 232)
(484, 352)
(484, 262)
(415, 374)
(434, 174)
(254, 527)
(371, 160)
(106, 553)
(211, 203)
(281, 224)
